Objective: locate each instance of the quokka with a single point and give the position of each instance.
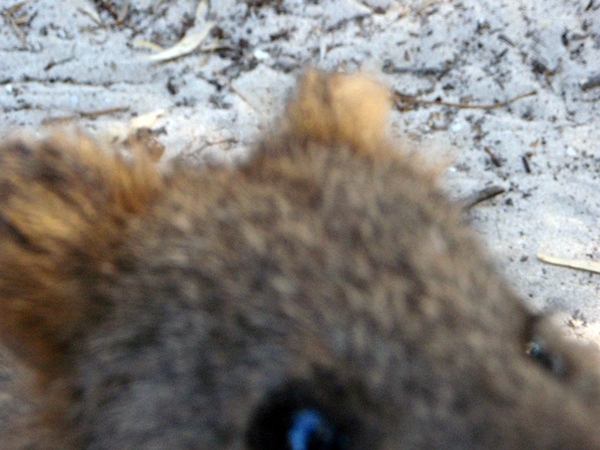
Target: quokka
(324, 294)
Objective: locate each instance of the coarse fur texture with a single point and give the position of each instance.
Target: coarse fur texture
(201, 308)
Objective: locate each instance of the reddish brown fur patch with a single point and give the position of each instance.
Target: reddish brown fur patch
(64, 203)
(338, 108)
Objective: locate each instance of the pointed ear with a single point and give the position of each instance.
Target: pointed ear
(338, 108)
(64, 203)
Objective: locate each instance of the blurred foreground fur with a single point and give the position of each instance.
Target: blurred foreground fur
(323, 295)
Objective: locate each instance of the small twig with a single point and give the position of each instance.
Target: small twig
(217, 46)
(590, 82)
(233, 89)
(495, 160)
(86, 114)
(481, 196)
(110, 8)
(53, 63)
(103, 112)
(15, 8)
(9, 14)
(219, 142)
(417, 71)
(389, 67)
(94, 17)
(525, 162)
(506, 39)
(122, 14)
(413, 100)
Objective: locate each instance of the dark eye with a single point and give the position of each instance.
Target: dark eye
(539, 352)
(309, 430)
(538, 330)
(292, 419)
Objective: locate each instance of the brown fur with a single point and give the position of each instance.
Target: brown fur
(196, 308)
(65, 203)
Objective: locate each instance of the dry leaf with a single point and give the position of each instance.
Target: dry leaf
(15, 8)
(123, 12)
(580, 264)
(201, 9)
(192, 39)
(187, 44)
(147, 44)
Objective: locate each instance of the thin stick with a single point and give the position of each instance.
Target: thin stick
(110, 7)
(16, 28)
(413, 100)
(233, 89)
(481, 196)
(219, 142)
(591, 82)
(88, 114)
(103, 112)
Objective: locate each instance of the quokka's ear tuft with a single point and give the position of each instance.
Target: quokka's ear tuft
(64, 203)
(338, 108)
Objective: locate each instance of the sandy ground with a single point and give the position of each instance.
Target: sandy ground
(88, 63)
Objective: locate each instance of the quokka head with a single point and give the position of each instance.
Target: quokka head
(323, 295)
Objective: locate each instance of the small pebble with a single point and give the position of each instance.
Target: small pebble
(261, 55)
(456, 126)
